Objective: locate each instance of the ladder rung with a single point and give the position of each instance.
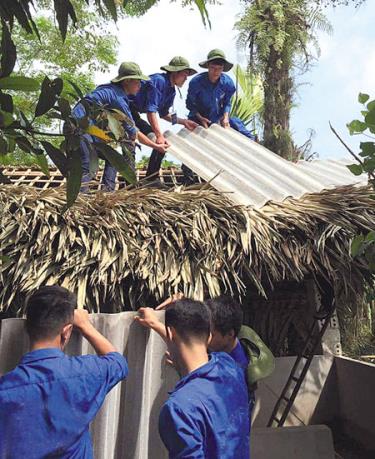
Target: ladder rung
(286, 399)
(294, 378)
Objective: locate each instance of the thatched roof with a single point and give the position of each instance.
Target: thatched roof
(116, 250)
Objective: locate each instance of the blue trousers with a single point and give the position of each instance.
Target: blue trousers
(90, 153)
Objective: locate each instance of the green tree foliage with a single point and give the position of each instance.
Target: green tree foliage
(17, 129)
(166, 163)
(363, 245)
(87, 49)
(334, 3)
(279, 35)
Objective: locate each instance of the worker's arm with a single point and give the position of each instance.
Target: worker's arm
(161, 148)
(225, 120)
(205, 122)
(148, 318)
(229, 89)
(82, 322)
(181, 431)
(153, 119)
(188, 124)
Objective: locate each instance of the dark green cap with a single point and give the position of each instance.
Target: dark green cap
(216, 54)
(177, 64)
(129, 71)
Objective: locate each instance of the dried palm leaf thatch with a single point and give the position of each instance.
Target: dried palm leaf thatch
(118, 250)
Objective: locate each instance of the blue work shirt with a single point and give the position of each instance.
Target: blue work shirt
(48, 401)
(109, 95)
(156, 95)
(210, 100)
(238, 354)
(206, 415)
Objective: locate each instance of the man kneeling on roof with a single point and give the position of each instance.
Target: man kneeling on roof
(114, 95)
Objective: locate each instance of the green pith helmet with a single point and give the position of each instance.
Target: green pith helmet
(177, 64)
(216, 54)
(262, 362)
(129, 71)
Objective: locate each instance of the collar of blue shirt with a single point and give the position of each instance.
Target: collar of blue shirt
(41, 354)
(200, 372)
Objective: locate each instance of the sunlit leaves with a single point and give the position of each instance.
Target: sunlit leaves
(19, 83)
(363, 245)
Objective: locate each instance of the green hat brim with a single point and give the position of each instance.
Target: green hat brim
(139, 76)
(178, 68)
(227, 65)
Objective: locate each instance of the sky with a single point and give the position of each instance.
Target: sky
(328, 92)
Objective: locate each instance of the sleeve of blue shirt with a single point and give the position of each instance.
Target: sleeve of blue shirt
(191, 100)
(106, 95)
(154, 95)
(181, 433)
(113, 368)
(229, 91)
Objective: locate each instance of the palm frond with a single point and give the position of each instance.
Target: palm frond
(248, 100)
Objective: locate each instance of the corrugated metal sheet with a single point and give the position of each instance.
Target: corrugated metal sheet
(126, 426)
(248, 172)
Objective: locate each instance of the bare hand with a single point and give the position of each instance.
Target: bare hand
(160, 139)
(189, 124)
(161, 148)
(205, 122)
(168, 302)
(81, 319)
(147, 317)
(225, 122)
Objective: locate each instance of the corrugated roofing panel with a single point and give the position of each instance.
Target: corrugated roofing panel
(248, 172)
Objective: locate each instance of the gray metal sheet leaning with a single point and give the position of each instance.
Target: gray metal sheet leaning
(251, 174)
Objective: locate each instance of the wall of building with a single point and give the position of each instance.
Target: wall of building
(337, 391)
(356, 394)
(318, 381)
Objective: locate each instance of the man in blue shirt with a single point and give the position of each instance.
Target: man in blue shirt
(113, 95)
(209, 98)
(240, 342)
(206, 415)
(48, 401)
(156, 98)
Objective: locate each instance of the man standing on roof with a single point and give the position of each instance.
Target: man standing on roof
(113, 95)
(209, 98)
(156, 98)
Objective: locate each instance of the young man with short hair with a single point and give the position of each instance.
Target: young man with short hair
(239, 341)
(48, 401)
(114, 95)
(209, 99)
(206, 415)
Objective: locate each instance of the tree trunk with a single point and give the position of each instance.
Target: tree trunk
(277, 104)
